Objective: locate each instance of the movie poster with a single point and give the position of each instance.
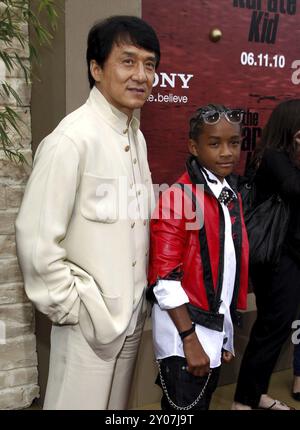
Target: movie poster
(253, 63)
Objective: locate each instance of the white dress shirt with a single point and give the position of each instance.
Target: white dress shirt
(170, 294)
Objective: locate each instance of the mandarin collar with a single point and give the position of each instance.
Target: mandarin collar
(117, 119)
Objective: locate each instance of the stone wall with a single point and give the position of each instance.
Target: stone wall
(18, 359)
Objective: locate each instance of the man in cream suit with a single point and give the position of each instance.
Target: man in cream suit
(82, 230)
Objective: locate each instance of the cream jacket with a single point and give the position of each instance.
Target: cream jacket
(78, 253)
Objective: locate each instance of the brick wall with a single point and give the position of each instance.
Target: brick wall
(18, 359)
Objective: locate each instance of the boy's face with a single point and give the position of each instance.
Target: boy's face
(218, 147)
(127, 77)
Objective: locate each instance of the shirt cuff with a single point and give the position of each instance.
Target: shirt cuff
(170, 294)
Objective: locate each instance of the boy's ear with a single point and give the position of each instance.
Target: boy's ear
(96, 71)
(193, 147)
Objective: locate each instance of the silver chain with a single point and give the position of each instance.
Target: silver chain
(181, 408)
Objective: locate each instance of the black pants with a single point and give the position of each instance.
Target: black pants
(183, 388)
(277, 299)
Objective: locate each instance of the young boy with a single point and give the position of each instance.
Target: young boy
(199, 263)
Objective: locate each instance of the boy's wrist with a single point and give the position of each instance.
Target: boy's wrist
(185, 333)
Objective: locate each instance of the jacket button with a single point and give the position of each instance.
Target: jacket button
(135, 161)
(134, 264)
(145, 222)
(127, 148)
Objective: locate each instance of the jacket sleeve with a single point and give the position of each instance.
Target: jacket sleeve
(167, 236)
(286, 176)
(41, 226)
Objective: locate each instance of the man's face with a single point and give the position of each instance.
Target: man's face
(127, 77)
(218, 147)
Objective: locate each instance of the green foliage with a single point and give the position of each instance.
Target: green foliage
(14, 15)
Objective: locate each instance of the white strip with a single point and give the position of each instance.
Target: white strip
(170, 294)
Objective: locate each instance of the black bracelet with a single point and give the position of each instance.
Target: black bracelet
(186, 333)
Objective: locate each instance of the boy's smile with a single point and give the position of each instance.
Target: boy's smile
(218, 147)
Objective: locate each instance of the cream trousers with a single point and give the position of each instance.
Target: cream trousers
(80, 380)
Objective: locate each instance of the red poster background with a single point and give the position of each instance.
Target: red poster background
(183, 27)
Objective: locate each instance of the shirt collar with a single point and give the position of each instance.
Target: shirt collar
(117, 119)
(216, 186)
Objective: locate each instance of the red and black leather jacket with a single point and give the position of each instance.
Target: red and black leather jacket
(196, 256)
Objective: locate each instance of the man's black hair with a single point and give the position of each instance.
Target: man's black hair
(116, 29)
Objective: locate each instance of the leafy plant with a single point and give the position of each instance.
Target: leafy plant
(14, 15)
